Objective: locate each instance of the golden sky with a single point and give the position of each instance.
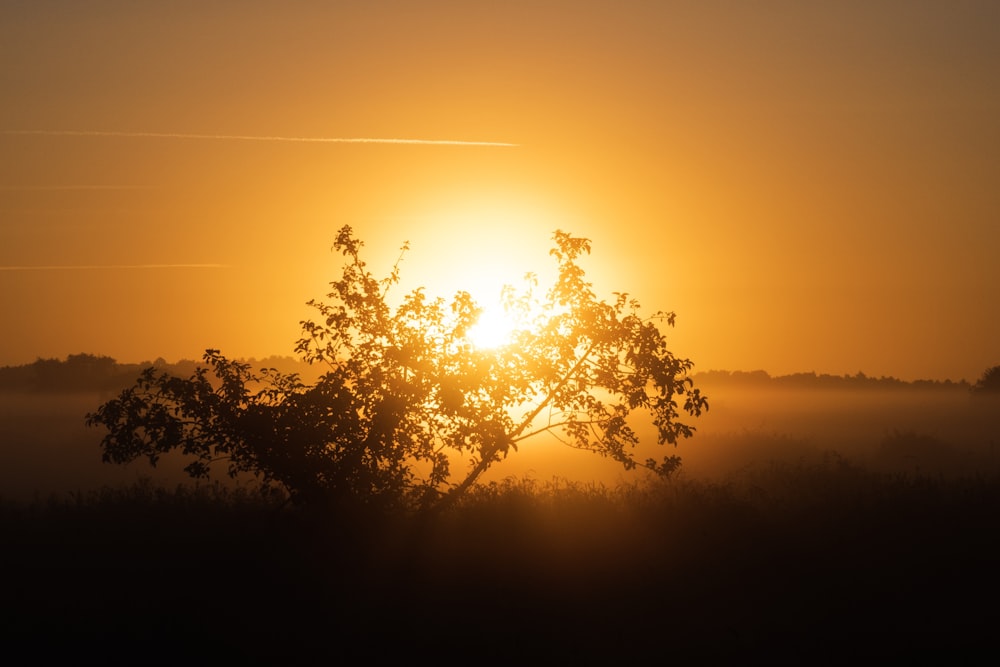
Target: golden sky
(809, 185)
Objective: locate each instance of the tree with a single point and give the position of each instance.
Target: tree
(989, 383)
(410, 414)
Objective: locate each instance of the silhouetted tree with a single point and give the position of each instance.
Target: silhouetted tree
(989, 383)
(406, 397)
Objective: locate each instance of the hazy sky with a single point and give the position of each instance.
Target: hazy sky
(809, 185)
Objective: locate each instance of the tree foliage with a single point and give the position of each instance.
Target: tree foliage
(408, 413)
(989, 383)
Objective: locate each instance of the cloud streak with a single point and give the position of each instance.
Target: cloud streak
(245, 137)
(94, 267)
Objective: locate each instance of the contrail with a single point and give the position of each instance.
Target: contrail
(91, 267)
(245, 137)
(29, 188)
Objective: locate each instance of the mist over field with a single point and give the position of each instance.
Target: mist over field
(46, 449)
(908, 429)
(935, 429)
(928, 428)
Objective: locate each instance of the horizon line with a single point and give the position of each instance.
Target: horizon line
(290, 357)
(247, 137)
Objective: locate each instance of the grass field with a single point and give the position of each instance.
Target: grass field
(795, 564)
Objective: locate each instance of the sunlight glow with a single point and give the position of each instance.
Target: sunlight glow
(493, 329)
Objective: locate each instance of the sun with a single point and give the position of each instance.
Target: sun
(494, 328)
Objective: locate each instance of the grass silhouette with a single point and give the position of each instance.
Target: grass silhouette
(784, 562)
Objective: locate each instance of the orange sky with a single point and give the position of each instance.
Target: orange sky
(810, 186)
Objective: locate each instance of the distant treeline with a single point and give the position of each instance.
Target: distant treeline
(93, 373)
(761, 379)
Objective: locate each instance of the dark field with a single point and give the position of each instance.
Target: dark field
(798, 565)
(806, 528)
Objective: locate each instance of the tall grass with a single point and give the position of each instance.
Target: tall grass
(772, 562)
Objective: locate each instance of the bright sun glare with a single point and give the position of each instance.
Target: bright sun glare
(493, 328)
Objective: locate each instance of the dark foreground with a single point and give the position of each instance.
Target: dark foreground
(820, 564)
